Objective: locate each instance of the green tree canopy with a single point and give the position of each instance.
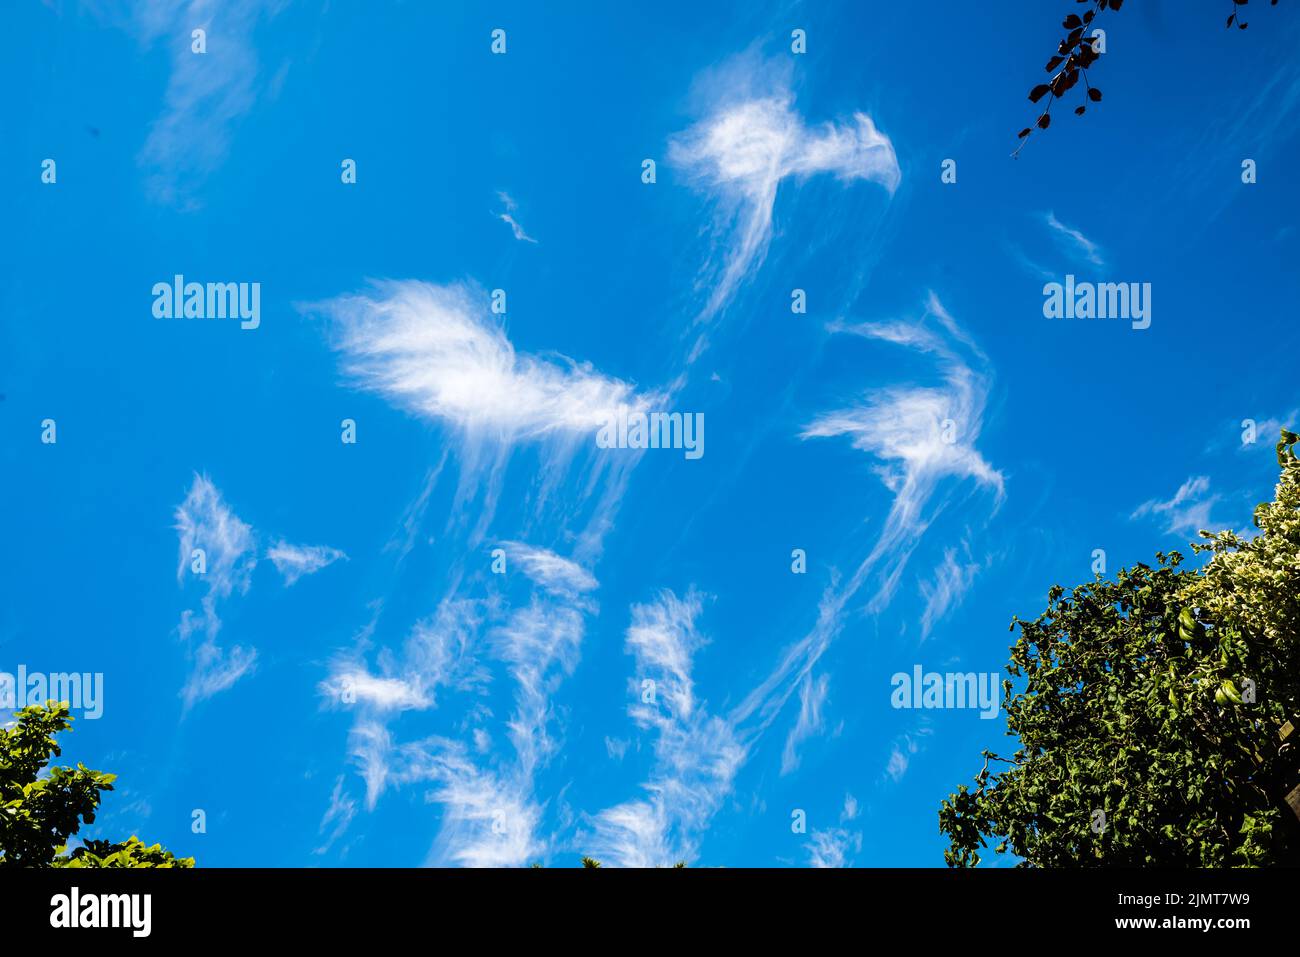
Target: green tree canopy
(1151, 713)
(40, 812)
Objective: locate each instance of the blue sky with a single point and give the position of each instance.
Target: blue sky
(349, 682)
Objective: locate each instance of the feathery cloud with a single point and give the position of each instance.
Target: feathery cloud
(751, 140)
(295, 561)
(508, 218)
(697, 755)
(205, 523)
(487, 821)
(851, 809)
(438, 352)
(342, 809)
(1074, 241)
(922, 435)
(901, 751)
(552, 572)
(952, 579)
(1188, 511)
(540, 643)
(439, 652)
(812, 697)
(206, 92)
(831, 846)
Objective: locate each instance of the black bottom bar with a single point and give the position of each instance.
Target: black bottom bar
(439, 906)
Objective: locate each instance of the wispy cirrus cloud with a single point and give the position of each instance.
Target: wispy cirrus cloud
(489, 816)
(831, 847)
(922, 435)
(812, 698)
(351, 684)
(508, 217)
(944, 592)
(220, 550)
(441, 651)
(1266, 431)
(540, 644)
(206, 92)
(439, 352)
(295, 561)
(338, 816)
(851, 808)
(488, 820)
(901, 751)
(1188, 511)
(1073, 240)
(697, 755)
(211, 534)
(552, 572)
(750, 140)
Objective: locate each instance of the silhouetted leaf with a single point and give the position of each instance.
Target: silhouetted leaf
(1053, 63)
(1038, 92)
(1094, 94)
(1078, 110)
(1023, 133)
(1045, 121)
(1063, 81)
(1072, 21)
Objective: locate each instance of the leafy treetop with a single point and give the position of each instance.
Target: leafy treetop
(40, 812)
(1153, 713)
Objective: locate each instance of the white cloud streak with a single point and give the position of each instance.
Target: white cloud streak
(295, 561)
(831, 846)
(508, 218)
(206, 92)
(752, 140)
(812, 697)
(1074, 240)
(1188, 511)
(922, 435)
(439, 652)
(438, 352)
(952, 579)
(204, 521)
(697, 755)
(556, 574)
(489, 817)
(342, 809)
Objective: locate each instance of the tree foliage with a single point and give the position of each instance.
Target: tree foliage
(1150, 710)
(40, 812)
(1076, 52)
